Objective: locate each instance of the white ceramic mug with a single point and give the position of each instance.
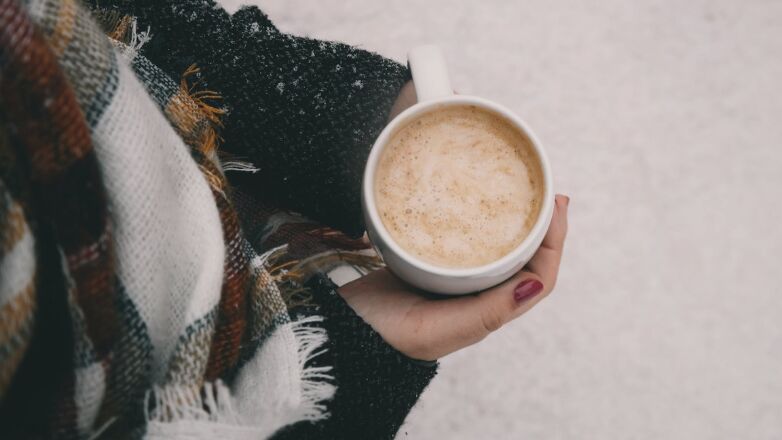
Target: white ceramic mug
(433, 88)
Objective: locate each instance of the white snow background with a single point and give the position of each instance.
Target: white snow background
(662, 119)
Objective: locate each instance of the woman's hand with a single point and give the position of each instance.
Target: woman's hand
(423, 327)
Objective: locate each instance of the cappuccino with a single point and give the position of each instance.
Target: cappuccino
(459, 187)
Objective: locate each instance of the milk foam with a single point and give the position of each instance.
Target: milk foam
(458, 187)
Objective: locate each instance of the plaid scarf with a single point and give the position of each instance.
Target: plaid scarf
(131, 302)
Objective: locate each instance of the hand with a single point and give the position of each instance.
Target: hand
(424, 327)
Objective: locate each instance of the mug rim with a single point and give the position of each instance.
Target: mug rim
(542, 221)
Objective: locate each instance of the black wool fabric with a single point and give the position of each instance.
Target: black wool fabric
(305, 112)
(376, 385)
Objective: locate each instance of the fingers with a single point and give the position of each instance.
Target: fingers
(511, 299)
(502, 303)
(467, 320)
(545, 262)
(555, 237)
(458, 322)
(439, 327)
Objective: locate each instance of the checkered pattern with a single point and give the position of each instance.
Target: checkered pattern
(117, 220)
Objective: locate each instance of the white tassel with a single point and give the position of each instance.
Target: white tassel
(182, 412)
(98, 432)
(235, 165)
(261, 260)
(138, 39)
(174, 403)
(315, 383)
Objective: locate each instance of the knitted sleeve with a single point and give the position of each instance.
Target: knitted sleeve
(305, 112)
(376, 385)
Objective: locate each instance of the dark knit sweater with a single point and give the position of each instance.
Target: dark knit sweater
(376, 385)
(303, 111)
(306, 113)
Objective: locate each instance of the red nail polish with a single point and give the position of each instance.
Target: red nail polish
(527, 289)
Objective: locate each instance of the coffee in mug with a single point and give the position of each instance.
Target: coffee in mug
(457, 192)
(459, 186)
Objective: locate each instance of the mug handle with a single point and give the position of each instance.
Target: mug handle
(430, 73)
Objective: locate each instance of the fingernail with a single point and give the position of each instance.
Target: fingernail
(527, 289)
(567, 200)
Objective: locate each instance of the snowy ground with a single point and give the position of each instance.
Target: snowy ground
(662, 119)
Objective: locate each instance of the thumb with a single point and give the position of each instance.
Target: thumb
(507, 301)
(454, 323)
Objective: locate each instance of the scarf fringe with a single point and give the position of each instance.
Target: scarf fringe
(316, 384)
(124, 34)
(290, 277)
(171, 404)
(213, 403)
(237, 165)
